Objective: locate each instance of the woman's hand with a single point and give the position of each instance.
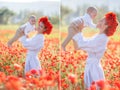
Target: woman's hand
(20, 31)
(80, 25)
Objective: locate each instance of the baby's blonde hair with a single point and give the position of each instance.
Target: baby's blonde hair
(32, 16)
(91, 9)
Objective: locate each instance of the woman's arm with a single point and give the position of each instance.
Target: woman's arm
(32, 43)
(89, 44)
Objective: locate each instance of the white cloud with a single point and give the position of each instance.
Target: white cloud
(25, 0)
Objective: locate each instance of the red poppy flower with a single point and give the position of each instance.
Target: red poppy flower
(72, 78)
(17, 67)
(2, 77)
(33, 71)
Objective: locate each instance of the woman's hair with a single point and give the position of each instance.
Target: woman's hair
(111, 21)
(47, 24)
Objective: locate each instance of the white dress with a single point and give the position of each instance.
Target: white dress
(33, 45)
(95, 47)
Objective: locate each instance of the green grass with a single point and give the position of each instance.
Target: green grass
(14, 27)
(9, 27)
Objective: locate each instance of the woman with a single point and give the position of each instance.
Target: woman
(34, 44)
(95, 47)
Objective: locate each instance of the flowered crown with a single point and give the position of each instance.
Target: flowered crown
(47, 24)
(112, 23)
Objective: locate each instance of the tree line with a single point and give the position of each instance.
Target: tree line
(8, 16)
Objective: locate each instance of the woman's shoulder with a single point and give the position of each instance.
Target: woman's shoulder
(102, 37)
(40, 36)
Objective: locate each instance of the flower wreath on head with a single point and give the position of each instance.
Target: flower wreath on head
(47, 24)
(112, 23)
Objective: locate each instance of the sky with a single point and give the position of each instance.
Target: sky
(26, 0)
(48, 7)
(113, 5)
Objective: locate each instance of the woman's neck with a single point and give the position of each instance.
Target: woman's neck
(39, 33)
(101, 31)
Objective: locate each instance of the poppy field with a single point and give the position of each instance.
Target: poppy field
(60, 70)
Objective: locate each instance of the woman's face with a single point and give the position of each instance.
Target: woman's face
(102, 25)
(41, 28)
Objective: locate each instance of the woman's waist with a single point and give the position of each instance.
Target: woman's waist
(93, 60)
(32, 52)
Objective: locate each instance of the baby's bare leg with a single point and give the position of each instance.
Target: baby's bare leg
(71, 33)
(15, 38)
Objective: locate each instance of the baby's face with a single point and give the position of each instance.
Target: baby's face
(93, 14)
(32, 21)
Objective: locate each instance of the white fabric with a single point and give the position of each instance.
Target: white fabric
(28, 28)
(33, 45)
(87, 21)
(95, 47)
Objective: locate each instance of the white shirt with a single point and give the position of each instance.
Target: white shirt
(28, 28)
(87, 20)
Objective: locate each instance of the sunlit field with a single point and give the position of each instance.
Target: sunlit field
(60, 70)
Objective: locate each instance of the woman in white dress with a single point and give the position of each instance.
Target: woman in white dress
(35, 44)
(95, 47)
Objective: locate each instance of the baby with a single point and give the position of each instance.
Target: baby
(76, 23)
(27, 27)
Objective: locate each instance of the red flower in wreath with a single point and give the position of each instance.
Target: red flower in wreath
(47, 24)
(112, 23)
